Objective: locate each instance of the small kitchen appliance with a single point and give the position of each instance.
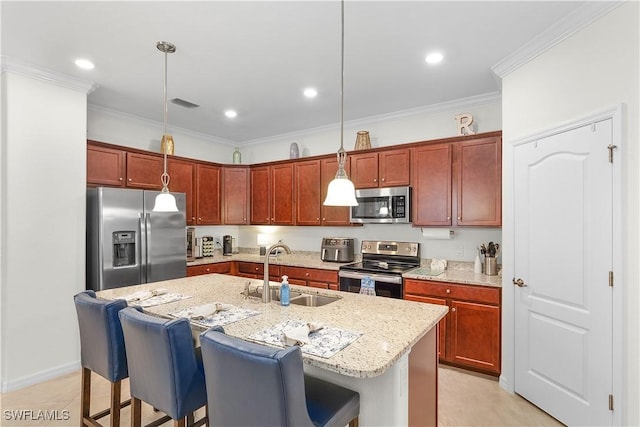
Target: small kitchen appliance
(227, 245)
(384, 262)
(337, 249)
(191, 244)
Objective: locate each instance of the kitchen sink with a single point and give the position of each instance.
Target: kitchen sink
(308, 300)
(275, 293)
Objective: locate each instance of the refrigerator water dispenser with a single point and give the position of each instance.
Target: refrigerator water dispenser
(124, 248)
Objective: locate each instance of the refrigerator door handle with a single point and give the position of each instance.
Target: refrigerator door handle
(142, 251)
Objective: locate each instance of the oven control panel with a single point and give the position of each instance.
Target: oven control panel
(390, 248)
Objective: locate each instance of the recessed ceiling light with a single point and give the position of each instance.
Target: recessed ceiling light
(85, 64)
(434, 58)
(230, 113)
(310, 92)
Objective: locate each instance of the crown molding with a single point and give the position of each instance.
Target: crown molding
(561, 30)
(154, 123)
(443, 107)
(11, 65)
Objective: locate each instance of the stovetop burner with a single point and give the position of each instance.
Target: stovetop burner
(386, 257)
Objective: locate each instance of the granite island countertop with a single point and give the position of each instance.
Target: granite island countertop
(390, 327)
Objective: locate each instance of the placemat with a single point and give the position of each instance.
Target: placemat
(221, 318)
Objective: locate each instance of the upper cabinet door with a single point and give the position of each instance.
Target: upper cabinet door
(208, 195)
(332, 215)
(478, 165)
(144, 171)
(183, 180)
(307, 192)
(431, 184)
(235, 200)
(260, 195)
(394, 168)
(105, 166)
(282, 194)
(364, 168)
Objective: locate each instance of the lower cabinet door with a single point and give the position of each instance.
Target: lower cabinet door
(442, 325)
(475, 335)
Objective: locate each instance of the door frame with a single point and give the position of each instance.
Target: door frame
(507, 377)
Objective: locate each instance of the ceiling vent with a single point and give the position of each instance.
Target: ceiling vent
(183, 103)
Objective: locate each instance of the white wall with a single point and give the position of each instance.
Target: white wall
(595, 69)
(129, 131)
(42, 203)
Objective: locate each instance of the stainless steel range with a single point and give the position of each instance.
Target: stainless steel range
(384, 262)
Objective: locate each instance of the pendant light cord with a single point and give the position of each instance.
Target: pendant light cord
(342, 78)
(164, 178)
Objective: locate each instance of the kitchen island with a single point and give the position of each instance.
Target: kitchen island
(393, 364)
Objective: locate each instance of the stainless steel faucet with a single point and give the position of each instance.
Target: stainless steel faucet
(266, 292)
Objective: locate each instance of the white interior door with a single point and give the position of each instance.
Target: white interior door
(563, 256)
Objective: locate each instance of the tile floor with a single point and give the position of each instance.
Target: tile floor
(465, 399)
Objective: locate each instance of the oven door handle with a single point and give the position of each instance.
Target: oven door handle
(377, 277)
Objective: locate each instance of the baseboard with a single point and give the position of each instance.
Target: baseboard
(26, 381)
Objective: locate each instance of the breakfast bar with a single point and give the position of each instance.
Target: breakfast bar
(390, 356)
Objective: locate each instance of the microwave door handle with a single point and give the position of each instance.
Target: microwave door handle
(324, 253)
(336, 254)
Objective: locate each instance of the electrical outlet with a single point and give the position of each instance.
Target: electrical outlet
(460, 251)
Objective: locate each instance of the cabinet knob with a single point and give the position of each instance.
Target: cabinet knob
(256, 268)
(272, 219)
(382, 179)
(306, 274)
(317, 219)
(208, 269)
(448, 217)
(129, 179)
(448, 291)
(375, 179)
(459, 218)
(199, 219)
(244, 219)
(193, 218)
(453, 309)
(120, 179)
(324, 219)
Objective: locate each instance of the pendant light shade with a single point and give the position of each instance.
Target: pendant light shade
(341, 191)
(165, 201)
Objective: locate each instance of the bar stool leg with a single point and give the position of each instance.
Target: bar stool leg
(354, 422)
(136, 412)
(179, 423)
(86, 396)
(115, 403)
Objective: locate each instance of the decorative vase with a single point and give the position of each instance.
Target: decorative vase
(237, 157)
(166, 145)
(362, 140)
(294, 151)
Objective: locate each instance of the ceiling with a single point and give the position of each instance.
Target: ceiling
(256, 57)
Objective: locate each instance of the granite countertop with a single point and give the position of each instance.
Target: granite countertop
(457, 272)
(296, 259)
(387, 335)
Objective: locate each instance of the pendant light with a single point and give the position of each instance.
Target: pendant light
(165, 201)
(341, 191)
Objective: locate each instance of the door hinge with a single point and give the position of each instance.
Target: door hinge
(611, 402)
(611, 279)
(611, 147)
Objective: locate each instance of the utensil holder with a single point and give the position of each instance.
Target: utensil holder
(490, 266)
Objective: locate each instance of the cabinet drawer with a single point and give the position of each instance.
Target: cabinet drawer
(197, 270)
(311, 274)
(455, 291)
(257, 269)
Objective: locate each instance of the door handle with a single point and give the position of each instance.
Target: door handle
(519, 282)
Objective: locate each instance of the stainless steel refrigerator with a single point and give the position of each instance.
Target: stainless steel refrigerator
(128, 244)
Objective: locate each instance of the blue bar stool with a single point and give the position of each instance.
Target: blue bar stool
(101, 351)
(254, 385)
(164, 369)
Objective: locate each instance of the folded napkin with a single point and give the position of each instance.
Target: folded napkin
(300, 335)
(203, 311)
(144, 295)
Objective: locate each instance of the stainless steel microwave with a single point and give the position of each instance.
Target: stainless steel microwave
(388, 205)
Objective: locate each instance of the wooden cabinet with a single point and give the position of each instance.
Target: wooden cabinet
(105, 166)
(260, 195)
(219, 267)
(332, 215)
(254, 270)
(470, 333)
(272, 195)
(235, 198)
(144, 171)
(478, 181)
(208, 194)
(431, 184)
(457, 183)
(183, 176)
(314, 277)
(308, 192)
(387, 168)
